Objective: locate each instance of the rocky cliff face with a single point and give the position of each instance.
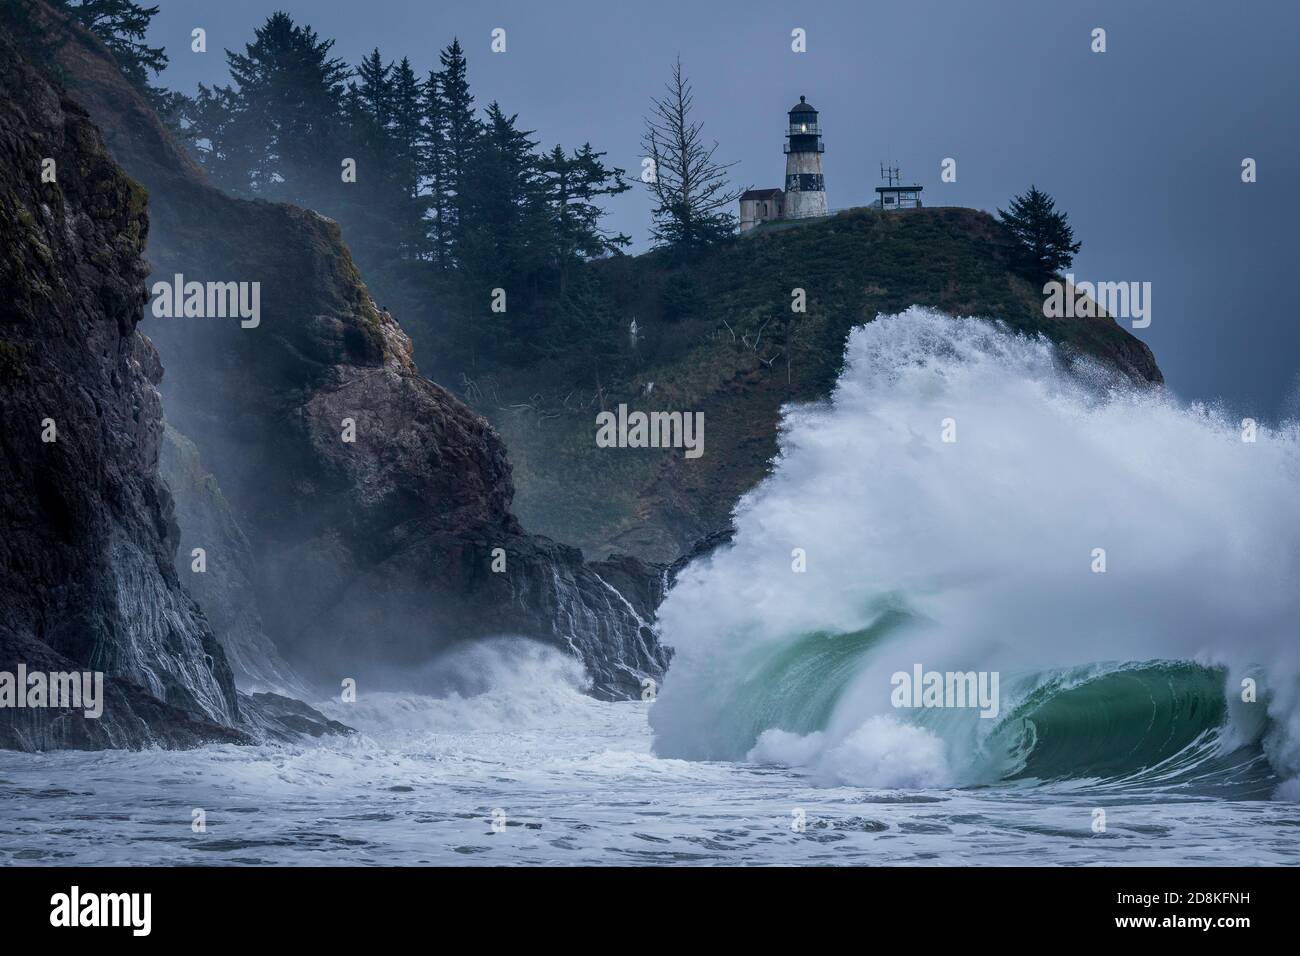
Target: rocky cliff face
(225, 590)
(375, 506)
(86, 527)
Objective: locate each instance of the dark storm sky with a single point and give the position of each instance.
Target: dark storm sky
(1142, 145)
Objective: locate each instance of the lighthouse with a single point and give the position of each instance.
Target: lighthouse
(805, 187)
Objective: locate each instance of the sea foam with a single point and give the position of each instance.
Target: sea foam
(980, 554)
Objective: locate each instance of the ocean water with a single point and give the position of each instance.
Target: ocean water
(576, 782)
(1124, 565)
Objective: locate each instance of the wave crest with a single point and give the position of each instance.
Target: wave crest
(978, 555)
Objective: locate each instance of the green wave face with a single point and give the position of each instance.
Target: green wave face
(1134, 724)
(809, 677)
(1137, 724)
(794, 687)
(1162, 717)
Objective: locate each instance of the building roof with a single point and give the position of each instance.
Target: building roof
(890, 189)
(760, 193)
(803, 106)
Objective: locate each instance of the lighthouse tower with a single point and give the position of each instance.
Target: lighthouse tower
(805, 188)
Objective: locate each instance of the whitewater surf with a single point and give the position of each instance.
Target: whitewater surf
(987, 504)
(521, 767)
(1122, 733)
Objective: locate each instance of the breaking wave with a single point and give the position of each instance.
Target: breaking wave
(983, 553)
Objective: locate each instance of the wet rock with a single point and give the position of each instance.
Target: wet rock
(275, 717)
(86, 526)
(365, 556)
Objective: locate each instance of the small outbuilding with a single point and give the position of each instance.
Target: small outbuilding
(898, 197)
(759, 206)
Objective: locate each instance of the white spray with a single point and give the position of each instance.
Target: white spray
(971, 474)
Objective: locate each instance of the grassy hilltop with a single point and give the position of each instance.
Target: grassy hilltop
(717, 335)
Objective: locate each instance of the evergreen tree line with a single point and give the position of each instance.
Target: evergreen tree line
(434, 180)
(448, 202)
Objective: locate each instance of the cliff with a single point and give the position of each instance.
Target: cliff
(86, 527)
(367, 556)
(226, 590)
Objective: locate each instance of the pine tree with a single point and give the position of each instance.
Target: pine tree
(286, 96)
(505, 227)
(365, 207)
(435, 169)
(572, 184)
(385, 123)
(692, 199)
(122, 25)
(221, 141)
(407, 131)
(1044, 239)
(376, 88)
(463, 130)
(406, 136)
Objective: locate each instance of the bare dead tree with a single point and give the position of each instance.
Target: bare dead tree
(690, 188)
